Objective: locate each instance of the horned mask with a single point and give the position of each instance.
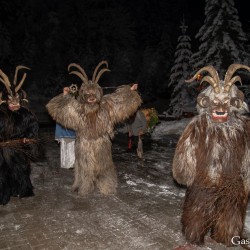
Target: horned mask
(222, 98)
(14, 91)
(90, 92)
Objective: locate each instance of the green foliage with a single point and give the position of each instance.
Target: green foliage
(152, 118)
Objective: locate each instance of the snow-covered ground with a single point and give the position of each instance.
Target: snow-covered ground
(144, 215)
(170, 128)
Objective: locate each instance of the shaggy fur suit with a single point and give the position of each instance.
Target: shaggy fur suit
(212, 159)
(93, 117)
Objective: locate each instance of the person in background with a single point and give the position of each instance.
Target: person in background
(137, 126)
(66, 137)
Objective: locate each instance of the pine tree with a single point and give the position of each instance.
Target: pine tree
(222, 40)
(180, 72)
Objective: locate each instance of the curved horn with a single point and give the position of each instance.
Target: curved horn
(213, 79)
(99, 75)
(24, 96)
(1, 101)
(23, 78)
(5, 80)
(82, 74)
(229, 81)
(96, 69)
(17, 69)
(212, 82)
(20, 83)
(229, 84)
(79, 74)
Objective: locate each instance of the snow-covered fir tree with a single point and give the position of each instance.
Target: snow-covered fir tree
(222, 39)
(181, 70)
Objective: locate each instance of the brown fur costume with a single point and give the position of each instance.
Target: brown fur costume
(93, 117)
(213, 158)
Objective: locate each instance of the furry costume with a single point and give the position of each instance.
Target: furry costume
(93, 117)
(213, 158)
(18, 130)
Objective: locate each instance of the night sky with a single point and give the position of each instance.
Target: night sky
(137, 38)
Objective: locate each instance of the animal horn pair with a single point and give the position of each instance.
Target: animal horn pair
(214, 78)
(5, 80)
(229, 80)
(83, 76)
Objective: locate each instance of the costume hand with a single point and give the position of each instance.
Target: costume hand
(140, 133)
(65, 90)
(134, 86)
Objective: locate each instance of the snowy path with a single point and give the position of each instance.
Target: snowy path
(144, 215)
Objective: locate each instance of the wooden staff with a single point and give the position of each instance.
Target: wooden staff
(15, 142)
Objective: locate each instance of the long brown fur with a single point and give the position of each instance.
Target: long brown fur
(213, 160)
(94, 129)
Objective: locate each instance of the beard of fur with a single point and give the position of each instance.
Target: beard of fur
(91, 108)
(91, 118)
(221, 147)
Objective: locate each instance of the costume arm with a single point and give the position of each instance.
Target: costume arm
(184, 162)
(64, 109)
(123, 103)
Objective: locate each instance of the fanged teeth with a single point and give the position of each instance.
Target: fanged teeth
(220, 115)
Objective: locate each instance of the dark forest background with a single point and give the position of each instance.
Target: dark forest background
(137, 38)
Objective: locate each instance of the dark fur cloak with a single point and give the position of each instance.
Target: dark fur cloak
(14, 154)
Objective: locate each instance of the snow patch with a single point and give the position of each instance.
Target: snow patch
(166, 190)
(17, 227)
(141, 181)
(27, 216)
(131, 183)
(170, 127)
(79, 231)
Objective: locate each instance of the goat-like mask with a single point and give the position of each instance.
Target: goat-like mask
(15, 93)
(222, 97)
(90, 92)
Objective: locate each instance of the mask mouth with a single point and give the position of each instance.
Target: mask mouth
(219, 116)
(91, 100)
(14, 107)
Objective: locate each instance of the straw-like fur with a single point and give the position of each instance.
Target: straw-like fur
(94, 124)
(212, 159)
